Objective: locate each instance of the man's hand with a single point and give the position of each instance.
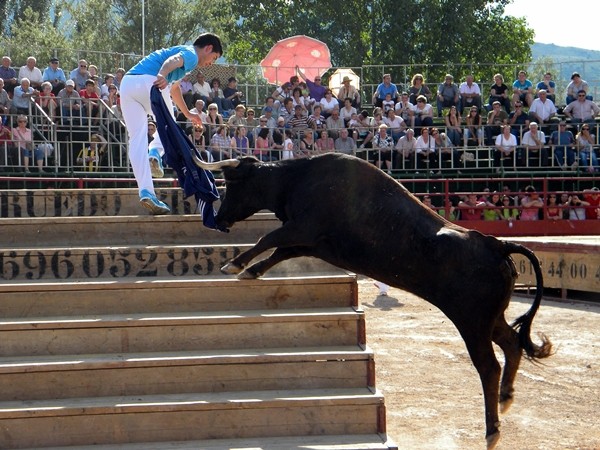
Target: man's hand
(194, 118)
(161, 82)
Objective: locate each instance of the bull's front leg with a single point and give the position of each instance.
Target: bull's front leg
(286, 236)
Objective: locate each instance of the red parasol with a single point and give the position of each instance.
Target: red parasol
(310, 55)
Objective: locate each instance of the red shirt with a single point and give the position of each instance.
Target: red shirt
(590, 211)
(85, 94)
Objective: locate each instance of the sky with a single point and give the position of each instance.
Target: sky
(547, 19)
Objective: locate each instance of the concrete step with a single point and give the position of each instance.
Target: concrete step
(166, 332)
(336, 442)
(130, 374)
(138, 261)
(184, 417)
(186, 294)
(87, 202)
(128, 230)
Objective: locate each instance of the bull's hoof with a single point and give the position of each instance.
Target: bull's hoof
(231, 269)
(492, 440)
(247, 275)
(505, 403)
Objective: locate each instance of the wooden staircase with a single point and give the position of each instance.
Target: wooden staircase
(119, 331)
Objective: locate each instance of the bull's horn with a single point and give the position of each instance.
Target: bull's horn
(216, 165)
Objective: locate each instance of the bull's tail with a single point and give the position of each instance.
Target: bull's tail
(523, 323)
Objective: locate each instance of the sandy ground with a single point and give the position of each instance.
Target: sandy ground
(433, 395)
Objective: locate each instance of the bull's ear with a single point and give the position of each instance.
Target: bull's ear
(216, 165)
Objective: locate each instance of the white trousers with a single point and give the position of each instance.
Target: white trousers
(135, 105)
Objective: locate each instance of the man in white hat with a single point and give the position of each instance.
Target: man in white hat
(348, 91)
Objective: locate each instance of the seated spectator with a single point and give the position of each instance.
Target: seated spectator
(384, 88)
(383, 144)
(220, 144)
(542, 109)
(344, 143)
(473, 133)
(471, 208)
(519, 121)
(240, 145)
(316, 121)
(306, 146)
(315, 88)
(298, 99)
(425, 150)
(499, 93)
(288, 111)
(507, 212)
(492, 212)
(453, 125)
(582, 109)
(534, 144)
(216, 94)
(201, 89)
(55, 76)
(23, 140)
(446, 151)
(285, 90)
(418, 87)
(531, 204)
(199, 141)
(5, 101)
(562, 142)
(347, 91)
(325, 143)
(299, 122)
(549, 86)
(233, 96)
(262, 144)
(396, 125)
(447, 94)
(592, 197)
(9, 75)
(405, 150)
(363, 129)
(70, 104)
(22, 96)
(80, 75)
(109, 80)
(119, 73)
(404, 108)
(238, 118)
(328, 103)
(288, 145)
(7, 156)
(271, 120)
(309, 102)
(470, 94)
(422, 115)
(495, 119)
(347, 110)
(577, 207)
(506, 148)
(32, 73)
(576, 85)
(588, 160)
(335, 123)
(47, 100)
(553, 209)
(523, 89)
(388, 103)
(113, 101)
(187, 91)
(90, 100)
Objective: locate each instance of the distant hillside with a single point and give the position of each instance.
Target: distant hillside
(570, 59)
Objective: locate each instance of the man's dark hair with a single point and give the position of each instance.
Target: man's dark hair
(209, 39)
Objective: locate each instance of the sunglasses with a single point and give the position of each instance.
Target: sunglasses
(22, 121)
(83, 67)
(581, 95)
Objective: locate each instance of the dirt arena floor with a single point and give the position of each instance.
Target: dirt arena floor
(433, 395)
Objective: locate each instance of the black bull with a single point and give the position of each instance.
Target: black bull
(350, 214)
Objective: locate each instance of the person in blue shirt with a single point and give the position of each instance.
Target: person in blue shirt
(164, 69)
(523, 89)
(55, 75)
(384, 88)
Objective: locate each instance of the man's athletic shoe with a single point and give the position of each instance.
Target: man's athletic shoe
(156, 167)
(153, 204)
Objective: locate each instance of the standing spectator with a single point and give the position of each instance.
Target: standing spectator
(9, 75)
(384, 88)
(576, 85)
(499, 93)
(523, 89)
(316, 89)
(496, 118)
(447, 94)
(347, 91)
(592, 197)
(585, 145)
(345, 143)
(422, 115)
(418, 87)
(470, 94)
(473, 131)
(562, 142)
(4, 100)
(542, 109)
(22, 97)
(471, 208)
(32, 73)
(233, 96)
(80, 75)
(55, 76)
(582, 109)
(531, 204)
(70, 104)
(549, 86)
(534, 143)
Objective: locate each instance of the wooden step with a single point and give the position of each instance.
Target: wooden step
(164, 332)
(248, 414)
(140, 262)
(222, 293)
(128, 230)
(336, 442)
(129, 374)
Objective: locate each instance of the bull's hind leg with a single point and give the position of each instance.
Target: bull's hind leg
(281, 254)
(508, 340)
(481, 351)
